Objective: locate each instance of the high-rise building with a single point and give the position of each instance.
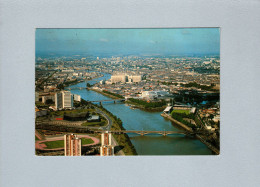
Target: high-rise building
(63, 100)
(106, 148)
(58, 100)
(67, 101)
(72, 145)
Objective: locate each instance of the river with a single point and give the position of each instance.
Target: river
(142, 120)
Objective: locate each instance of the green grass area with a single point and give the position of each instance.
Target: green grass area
(95, 124)
(85, 141)
(54, 144)
(181, 111)
(60, 143)
(36, 138)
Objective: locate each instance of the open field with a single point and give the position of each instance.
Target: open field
(54, 144)
(181, 111)
(95, 124)
(85, 141)
(60, 143)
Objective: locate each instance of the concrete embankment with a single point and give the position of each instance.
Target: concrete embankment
(177, 122)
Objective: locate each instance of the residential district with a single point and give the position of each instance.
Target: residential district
(185, 89)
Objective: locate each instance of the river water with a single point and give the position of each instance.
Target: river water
(142, 120)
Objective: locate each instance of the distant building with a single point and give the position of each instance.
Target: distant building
(36, 96)
(106, 148)
(125, 78)
(94, 118)
(76, 97)
(39, 113)
(153, 94)
(193, 110)
(48, 97)
(135, 78)
(72, 145)
(63, 100)
(118, 78)
(58, 100)
(168, 110)
(102, 82)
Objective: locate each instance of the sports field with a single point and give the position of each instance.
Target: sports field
(181, 111)
(60, 143)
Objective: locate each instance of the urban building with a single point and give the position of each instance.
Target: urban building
(106, 148)
(135, 78)
(58, 100)
(126, 78)
(77, 97)
(118, 78)
(36, 96)
(154, 94)
(63, 100)
(48, 97)
(72, 145)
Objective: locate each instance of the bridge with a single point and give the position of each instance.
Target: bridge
(144, 132)
(76, 88)
(82, 129)
(107, 100)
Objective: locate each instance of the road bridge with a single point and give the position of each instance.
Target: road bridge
(145, 132)
(81, 129)
(76, 88)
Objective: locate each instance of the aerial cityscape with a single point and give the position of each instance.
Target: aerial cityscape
(121, 92)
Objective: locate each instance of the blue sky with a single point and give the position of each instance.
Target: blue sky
(124, 41)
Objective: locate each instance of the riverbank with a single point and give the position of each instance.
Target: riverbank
(134, 105)
(211, 147)
(157, 109)
(123, 142)
(70, 83)
(177, 122)
(105, 94)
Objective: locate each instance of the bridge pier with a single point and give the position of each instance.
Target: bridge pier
(164, 133)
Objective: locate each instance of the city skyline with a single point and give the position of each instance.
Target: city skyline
(99, 42)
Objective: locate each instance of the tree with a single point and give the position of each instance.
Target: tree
(49, 101)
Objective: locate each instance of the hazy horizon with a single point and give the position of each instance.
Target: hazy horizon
(98, 42)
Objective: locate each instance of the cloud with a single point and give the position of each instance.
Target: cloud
(103, 40)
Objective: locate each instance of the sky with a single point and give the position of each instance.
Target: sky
(129, 41)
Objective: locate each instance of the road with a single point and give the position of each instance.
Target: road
(110, 122)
